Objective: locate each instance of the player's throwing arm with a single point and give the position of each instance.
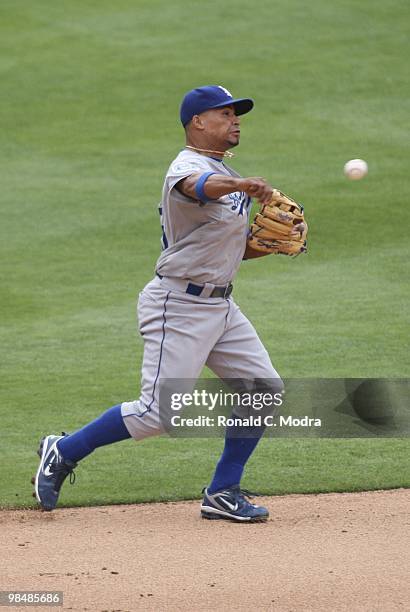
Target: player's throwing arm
(279, 228)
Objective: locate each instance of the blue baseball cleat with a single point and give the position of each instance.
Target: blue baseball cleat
(231, 504)
(51, 473)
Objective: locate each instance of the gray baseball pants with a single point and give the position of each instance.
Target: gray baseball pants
(182, 333)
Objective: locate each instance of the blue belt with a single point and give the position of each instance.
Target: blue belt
(217, 292)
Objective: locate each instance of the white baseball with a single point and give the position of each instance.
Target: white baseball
(355, 169)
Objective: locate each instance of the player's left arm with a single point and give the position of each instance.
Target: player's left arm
(213, 185)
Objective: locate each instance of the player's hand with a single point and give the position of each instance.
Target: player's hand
(257, 187)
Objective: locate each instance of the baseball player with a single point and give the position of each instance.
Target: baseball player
(187, 316)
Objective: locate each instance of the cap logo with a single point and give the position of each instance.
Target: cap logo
(228, 93)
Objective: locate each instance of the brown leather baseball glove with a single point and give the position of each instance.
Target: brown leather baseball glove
(279, 227)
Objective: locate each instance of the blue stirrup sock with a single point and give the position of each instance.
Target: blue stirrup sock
(236, 453)
(106, 429)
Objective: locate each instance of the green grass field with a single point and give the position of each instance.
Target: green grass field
(89, 124)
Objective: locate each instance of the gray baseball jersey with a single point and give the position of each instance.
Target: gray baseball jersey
(202, 242)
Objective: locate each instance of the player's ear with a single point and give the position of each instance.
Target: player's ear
(197, 122)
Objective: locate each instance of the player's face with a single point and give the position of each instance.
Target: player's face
(222, 127)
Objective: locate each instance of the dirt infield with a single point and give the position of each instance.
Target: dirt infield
(317, 552)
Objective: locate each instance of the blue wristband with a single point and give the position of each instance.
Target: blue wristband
(199, 187)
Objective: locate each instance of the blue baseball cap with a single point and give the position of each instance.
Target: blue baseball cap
(205, 98)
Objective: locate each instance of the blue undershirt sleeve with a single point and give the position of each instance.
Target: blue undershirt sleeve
(199, 187)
